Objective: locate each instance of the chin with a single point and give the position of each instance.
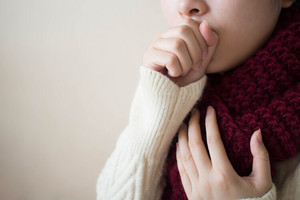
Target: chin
(214, 67)
(220, 66)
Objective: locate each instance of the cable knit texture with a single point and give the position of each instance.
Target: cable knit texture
(135, 168)
(264, 93)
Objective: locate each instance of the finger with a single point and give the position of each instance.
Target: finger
(200, 39)
(186, 182)
(261, 163)
(216, 148)
(177, 47)
(162, 60)
(211, 39)
(196, 144)
(185, 154)
(189, 32)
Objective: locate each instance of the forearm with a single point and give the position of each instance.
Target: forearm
(135, 169)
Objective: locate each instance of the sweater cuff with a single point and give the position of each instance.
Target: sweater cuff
(270, 195)
(158, 108)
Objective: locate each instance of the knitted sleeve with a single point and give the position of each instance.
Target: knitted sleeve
(135, 168)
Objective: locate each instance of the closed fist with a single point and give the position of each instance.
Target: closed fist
(182, 52)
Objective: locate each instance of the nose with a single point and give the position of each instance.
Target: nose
(191, 8)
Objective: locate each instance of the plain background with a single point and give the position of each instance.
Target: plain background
(68, 73)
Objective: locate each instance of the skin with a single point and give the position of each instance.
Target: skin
(242, 25)
(213, 36)
(235, 30)
(182, 52)
(213, 177)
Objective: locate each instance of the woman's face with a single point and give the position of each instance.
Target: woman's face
(242, 25)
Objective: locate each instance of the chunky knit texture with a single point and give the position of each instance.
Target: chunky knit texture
(264, 93)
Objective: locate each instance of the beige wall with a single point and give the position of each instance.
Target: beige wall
(68, 72)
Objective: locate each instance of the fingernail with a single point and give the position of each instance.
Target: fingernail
(209, 110)
(259, 136)
(206, 23)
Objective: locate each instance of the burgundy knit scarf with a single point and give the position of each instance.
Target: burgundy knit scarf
(262, 93)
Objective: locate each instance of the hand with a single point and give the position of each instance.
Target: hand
(214, 178)
(182, 52)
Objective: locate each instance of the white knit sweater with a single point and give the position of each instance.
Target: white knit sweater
(135, 169)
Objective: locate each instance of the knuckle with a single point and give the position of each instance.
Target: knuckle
(221, 180)
(181, 170)
(186, 68)
(187, 157)
(178, 44)
(185, 30)
(264, 156)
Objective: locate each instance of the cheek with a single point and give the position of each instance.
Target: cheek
(241, 34)
(169, 8)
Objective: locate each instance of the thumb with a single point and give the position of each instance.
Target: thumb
(261, 171)
(211, 39)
